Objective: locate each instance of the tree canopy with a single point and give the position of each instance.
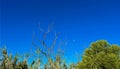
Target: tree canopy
(101, 55)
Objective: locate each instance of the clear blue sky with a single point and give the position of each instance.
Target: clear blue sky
(79, 21)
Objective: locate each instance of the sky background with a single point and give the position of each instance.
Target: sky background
(79, 22)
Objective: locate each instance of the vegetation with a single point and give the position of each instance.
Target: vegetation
(53, 62)
(100, 55)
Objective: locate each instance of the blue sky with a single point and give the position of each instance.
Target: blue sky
(79, 22)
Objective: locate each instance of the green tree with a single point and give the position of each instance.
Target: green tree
(101, 55)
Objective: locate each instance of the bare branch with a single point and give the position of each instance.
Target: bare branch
(54, 41)
(41, 29)
(49, 28)
(47, 52)
(44, 45)
(42, 42)
(40, 51)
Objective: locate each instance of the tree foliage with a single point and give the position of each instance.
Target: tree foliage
(101, 55)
